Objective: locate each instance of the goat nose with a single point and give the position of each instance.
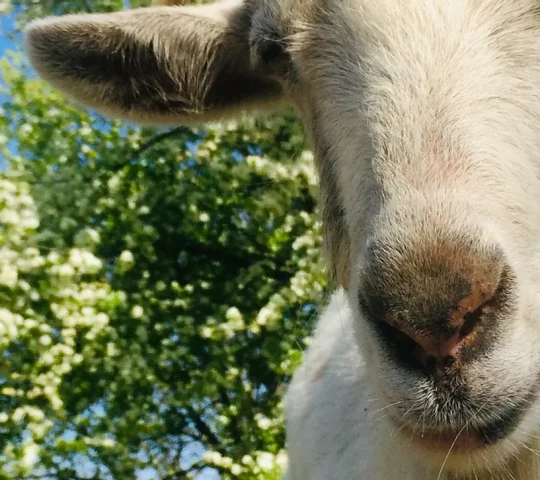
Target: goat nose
(463, 326)
(436, 306)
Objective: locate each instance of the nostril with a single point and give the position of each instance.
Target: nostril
(425, 354)
(434, 354)
(470, 322)
(429, 354)
(406, 350)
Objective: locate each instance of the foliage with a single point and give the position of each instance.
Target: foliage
(156, 287)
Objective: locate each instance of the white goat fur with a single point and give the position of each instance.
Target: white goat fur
(425, 121)
(336, 419)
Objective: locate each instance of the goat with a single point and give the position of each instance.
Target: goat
(424, 116)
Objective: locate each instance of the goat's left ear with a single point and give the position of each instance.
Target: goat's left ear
(159, 64)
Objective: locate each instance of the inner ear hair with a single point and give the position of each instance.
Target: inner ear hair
(157, 65)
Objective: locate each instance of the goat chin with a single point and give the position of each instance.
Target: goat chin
(338, 425)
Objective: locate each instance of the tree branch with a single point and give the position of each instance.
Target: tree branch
(235, 427)
(196, 467)
(203, 428)
(238, 259)
(157, 139)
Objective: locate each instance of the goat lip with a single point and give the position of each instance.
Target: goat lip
(455, 442)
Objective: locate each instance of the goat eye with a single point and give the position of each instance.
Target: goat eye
(271, 50)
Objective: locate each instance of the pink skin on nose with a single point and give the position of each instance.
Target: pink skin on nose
(442, 349)
(445, 348)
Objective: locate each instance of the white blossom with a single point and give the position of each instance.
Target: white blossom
(87, 237)
(45, 340)
(30, 456)
(263, 422)
(282, 461)
(207, 332)
(236, 469)
(8, 275)
(265, 461)
(26, 129)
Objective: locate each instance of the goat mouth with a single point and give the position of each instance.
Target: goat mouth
(450, 442)
(469, 438)
(462, 426)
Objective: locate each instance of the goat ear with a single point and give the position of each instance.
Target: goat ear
(155, 65)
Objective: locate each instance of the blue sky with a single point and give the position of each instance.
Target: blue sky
(6, 27)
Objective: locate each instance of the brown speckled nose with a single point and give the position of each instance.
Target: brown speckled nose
(436, 307)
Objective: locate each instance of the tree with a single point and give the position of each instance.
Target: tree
(156, 287)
